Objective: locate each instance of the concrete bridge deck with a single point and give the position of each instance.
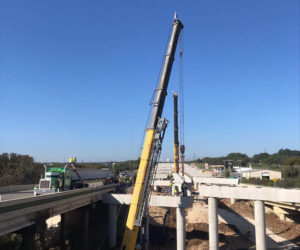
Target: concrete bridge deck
(20, 213)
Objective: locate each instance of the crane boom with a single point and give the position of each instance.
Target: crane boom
(176, 142)
(152, 146)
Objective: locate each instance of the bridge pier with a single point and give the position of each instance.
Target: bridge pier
(28, 238)
(147, 232)
(180, 228)
(112, 225)
(260, 225)
(62, 237)
(86, 218)
(213, 223)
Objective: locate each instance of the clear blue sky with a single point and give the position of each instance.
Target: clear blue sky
(77, 76)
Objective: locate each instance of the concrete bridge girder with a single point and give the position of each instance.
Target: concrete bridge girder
(259, 195)
(21, 213)
(180, 203)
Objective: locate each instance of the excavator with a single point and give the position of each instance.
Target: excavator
(138, 210)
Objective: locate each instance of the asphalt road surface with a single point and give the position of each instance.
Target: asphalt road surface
(16, 195)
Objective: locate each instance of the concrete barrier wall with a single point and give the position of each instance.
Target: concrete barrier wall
(16, 188)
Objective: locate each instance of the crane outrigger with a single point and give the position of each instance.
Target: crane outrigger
(151, 149)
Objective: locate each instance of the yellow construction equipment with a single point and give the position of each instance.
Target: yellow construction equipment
(176, 142)
(152, 147)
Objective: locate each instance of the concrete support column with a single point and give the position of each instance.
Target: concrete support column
(232, 201)
(28, 238)
(147, 233)
(112, 226)
(155, 188)
(213, 223)
(62, 232)
(260, 225)
(180, 228)
(86, 218)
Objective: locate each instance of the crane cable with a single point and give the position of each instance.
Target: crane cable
(181, 89)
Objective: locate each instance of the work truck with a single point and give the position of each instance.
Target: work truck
(63, 178)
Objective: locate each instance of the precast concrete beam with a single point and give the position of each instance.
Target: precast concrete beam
(177, 178)
(260, 225)
(218, 181)
(187, 178)
(161, 176)
(163, 183)
(213, 233)
(247, 193)
(180, 228)
(155, 200)
(20, 213)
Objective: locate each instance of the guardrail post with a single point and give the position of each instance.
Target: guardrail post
(112, 227)
(260, 225)
(213, 223)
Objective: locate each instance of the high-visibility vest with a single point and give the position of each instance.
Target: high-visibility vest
(74, 158)
(171, 184)
(71, 159)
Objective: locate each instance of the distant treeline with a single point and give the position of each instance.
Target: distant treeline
(19, 169)
(282, 157)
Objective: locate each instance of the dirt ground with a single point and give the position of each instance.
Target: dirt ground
(163, 221)
(287, 230)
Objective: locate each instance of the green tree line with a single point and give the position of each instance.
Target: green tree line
(18, 169)
(283, 157)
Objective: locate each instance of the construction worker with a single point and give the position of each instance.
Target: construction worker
(170, 187)
(184, 189)
(176, 191)
(74, 159)
(248, 231)
(71, 159)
